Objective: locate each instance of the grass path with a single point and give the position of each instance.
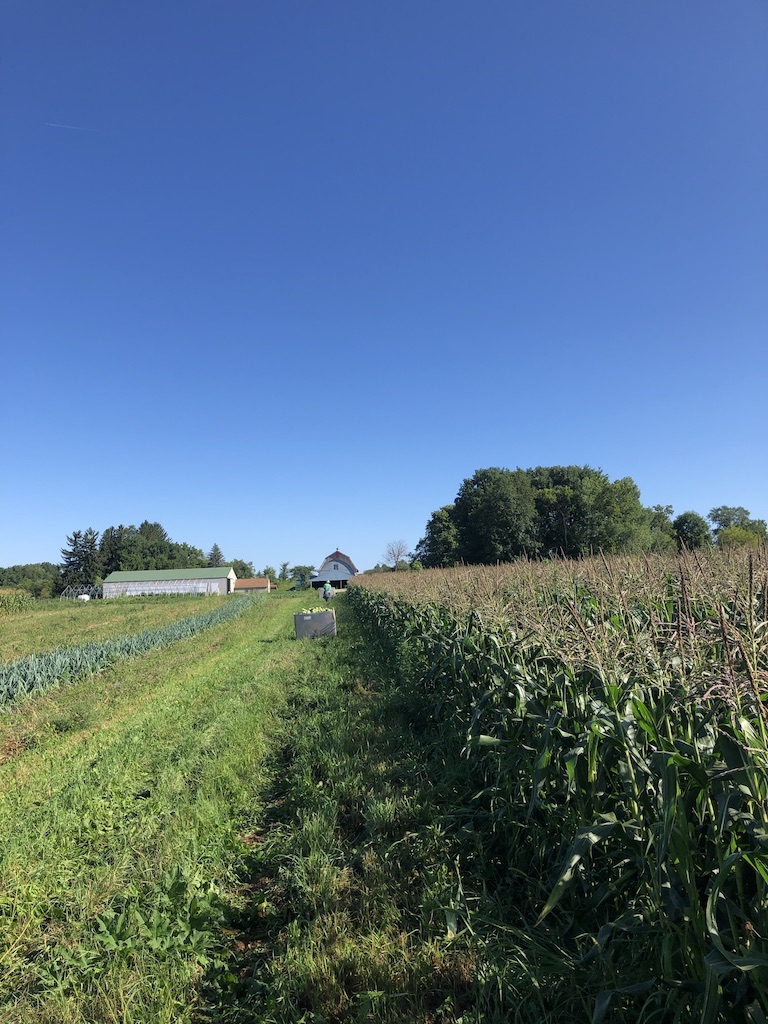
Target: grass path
(352, 881)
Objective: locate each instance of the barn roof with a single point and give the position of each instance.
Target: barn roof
(142, 575)
(337, 556)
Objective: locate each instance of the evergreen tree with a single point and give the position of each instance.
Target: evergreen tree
(81, 564)
(215, 557)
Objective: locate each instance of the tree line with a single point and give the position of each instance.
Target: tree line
(89, 557)
(568, 511)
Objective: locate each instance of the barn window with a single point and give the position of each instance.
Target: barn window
(335, 565)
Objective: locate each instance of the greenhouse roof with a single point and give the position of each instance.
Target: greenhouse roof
(169, 574)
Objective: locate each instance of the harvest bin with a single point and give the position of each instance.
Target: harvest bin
(309, 624)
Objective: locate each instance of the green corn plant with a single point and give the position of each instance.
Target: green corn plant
(14, 601)
(616, 713)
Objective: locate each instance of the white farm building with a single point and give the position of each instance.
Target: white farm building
(336, 569)
(170, 581)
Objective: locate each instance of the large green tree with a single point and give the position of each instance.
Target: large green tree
(439, 547)
(301, 576)
(39, 578)
(243, 570)
(662, 532)
(558, 499)
(154, 532)
(628, 527)
(115, 541)
(553, 510)
(692, 530)
(154, 546)
(81, 563)
(186, 556)
(495, 516)
(736, 537)
(733, 525)
(131, 548)
(579, 510)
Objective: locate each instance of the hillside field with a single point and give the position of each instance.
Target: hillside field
(521, 793)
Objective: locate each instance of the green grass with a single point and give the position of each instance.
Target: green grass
(51, 624)
(65, 665)
(240, 828)
(366, 828)
(356, 896)
(122, 803)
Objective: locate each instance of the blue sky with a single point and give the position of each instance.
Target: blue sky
(297, 269)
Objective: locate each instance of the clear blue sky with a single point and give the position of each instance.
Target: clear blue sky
(296, 269)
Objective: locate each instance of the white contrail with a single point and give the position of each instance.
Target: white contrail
(73, 127)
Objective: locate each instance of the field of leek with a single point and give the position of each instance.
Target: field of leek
(62, 666)
(611, 851)
(46, 625)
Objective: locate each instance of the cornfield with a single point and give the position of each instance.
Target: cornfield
(616, 714)
(37, 672)
(13, 601)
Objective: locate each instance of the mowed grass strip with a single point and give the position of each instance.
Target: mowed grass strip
(51, 624)
(355, 897)
(122, 800)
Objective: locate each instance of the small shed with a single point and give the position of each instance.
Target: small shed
(337, 569)
(135, 583)
(258, 584)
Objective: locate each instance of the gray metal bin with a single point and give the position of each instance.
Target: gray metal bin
(310, 624)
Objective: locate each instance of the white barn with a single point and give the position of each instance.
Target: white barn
(336, 569)
(135, 583)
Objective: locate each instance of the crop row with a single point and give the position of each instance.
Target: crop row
(621, 812)
(37, 672)
(13, 601)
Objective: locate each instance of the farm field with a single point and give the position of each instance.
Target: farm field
(52, 624)
(615, 712)
(526, 793)
(206, 834)
(121, 800)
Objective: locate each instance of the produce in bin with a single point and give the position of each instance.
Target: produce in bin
(313, 622)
